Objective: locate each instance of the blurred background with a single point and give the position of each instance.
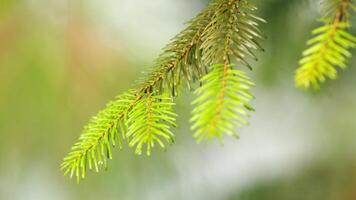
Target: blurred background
(62, 60)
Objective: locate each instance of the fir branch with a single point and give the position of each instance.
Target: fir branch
(328, 49)
(233, 32)
(149, 122)
(181, 59)
(183, 52)
(220, 106)
(222, 100)
(102, 132)
(144, 115)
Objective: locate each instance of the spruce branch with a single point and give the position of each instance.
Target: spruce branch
(233, 32)
(182, 52)
(97, 138)
(330, 47)
(223, 101)
(143, 116)
(149, 122)
(181, 59)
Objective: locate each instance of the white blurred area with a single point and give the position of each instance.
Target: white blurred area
(275, 144)
(144, 24)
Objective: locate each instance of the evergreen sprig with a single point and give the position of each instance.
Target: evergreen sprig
(223, 35)
(149, 122)
(225, 94)
(233, 33)
(221, 104)
(98, 137)
(330, 47)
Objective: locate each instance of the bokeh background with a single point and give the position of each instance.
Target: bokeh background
(62, 60)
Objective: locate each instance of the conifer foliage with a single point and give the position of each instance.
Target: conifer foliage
(222, 102)
(149, 122)
(330, 47)
(211, 51)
